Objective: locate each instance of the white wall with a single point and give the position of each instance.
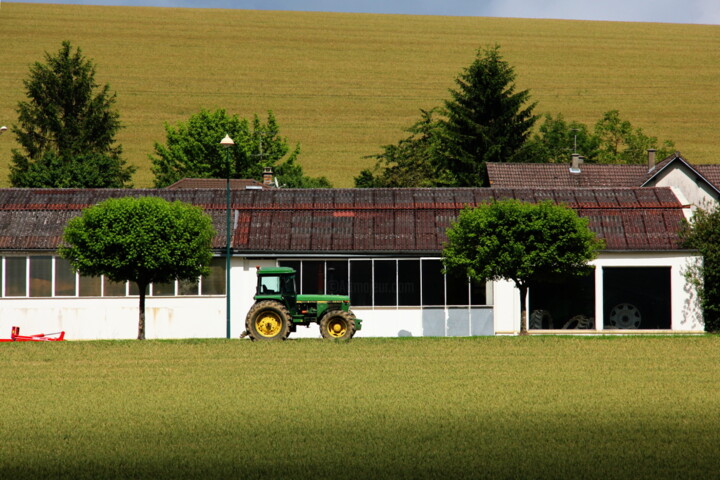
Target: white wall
(686, 315)
(204, 317)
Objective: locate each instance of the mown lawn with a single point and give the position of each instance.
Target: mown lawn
(539, 407)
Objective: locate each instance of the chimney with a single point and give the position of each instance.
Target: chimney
(651, 159)
(268, 177)
(576, 161)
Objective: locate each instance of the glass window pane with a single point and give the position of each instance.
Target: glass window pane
(40, 276)
(163, 289)
(188, 287)
(294, 264)
(89, 286)
(385, 283)
(409, 282)
(479, 292)
(361, 282)
(64, 278)
(337, 277)
(313, 277)
(433, 283)
(457, 289)
(15, 276)
(113, 289)
(269, 285)
(214, 284)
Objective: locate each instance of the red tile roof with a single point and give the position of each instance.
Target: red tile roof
(551, 175)
(350, 221)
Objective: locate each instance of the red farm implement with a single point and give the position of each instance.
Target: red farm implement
(40, 337)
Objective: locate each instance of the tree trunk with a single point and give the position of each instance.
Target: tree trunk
(141, 320)
(523, 310)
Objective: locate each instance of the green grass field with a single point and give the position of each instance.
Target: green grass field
(342, 85)
(491, 407)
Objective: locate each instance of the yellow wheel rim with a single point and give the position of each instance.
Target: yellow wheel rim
(337, 328)
(268, 324)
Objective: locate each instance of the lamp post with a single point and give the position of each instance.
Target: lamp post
(227, 142)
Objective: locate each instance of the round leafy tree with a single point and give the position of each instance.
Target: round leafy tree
(521, 242)
(142, 240)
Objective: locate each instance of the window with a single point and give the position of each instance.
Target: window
(89, 286)
(64, 278)
(15, 276)
(389, 282)
(214, 284)
(433, 283)
(385, 285)
(313, 277)
(163, 289)
(41, 276)
(337, 277)
(361, 282)
(409, 282)
(113, 289)
(48, 276)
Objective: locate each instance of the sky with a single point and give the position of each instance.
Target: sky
(664, 11)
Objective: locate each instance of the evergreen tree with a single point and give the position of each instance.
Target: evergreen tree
(67, 127)
(487, 120)
(413, 162)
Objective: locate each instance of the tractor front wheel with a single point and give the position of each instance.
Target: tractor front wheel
(338, 324)
(268, 320)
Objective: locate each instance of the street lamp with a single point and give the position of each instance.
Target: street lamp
(227, 142)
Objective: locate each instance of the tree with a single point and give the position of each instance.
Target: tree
(67, 127)
(703, 234)
(520, 242)
(556, 139)
(486, 119)
(193, 150)
(621, 143)
(612, 140)
(142, 240)
(413, 162)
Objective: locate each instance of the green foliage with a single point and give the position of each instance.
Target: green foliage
(703, 234)
(67, 127)
(486, 119)
(556, 139)
(193, 150)
(521, 242)
(142, 240)
(414, 161)
(612, 140)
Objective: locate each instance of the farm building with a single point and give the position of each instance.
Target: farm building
(698, 185)
(380, 246)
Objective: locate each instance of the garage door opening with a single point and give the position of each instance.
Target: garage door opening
(636, 298)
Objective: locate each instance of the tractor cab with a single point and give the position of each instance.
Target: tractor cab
(275, 283)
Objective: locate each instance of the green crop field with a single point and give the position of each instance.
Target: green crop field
(342, 85)
(487, 407)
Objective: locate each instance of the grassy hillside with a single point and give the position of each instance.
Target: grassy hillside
(342, 85)
(455, 408)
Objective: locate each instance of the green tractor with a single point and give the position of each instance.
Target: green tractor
(278, 309)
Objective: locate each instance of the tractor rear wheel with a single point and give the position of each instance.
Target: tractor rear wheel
(268, 320)
(338, 324)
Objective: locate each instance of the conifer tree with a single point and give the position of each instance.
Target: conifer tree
(487, 120)
(67, 127)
